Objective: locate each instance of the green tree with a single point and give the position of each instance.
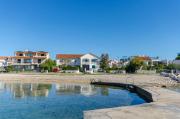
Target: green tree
(171, 67)
(104, 62)
(48, 65)
(177, 66)
(178, 58)
(134, 65)
(159, 67)
(9, 68)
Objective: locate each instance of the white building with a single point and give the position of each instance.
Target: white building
(88, 62)
(177, 62)
(155, 60)
(4, 62)
(114, 63)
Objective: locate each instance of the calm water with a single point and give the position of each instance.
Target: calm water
(59, 101)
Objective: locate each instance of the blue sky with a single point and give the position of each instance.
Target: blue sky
(118, 27)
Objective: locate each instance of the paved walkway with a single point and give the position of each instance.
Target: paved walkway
(166, 106)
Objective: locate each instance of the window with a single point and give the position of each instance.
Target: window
(61, 60)
(94, 60)
(93, 66)
(85, 60)
(29, 54)
(27, 61)
(39, 60)
(18, 60)
(21, 54)
(42, 54)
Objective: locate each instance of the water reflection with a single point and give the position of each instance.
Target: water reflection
(86, 90)
(21, 90)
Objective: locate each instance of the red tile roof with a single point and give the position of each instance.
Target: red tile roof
(68, 56)
(143, 58)
(4, 57)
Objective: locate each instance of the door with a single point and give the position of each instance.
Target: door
(85, 67)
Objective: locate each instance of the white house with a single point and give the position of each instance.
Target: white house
(114, 63)
(2, 61)
(5, 61)
(88, 62)
(177, 62)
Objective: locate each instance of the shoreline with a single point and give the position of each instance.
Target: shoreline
(136, 79)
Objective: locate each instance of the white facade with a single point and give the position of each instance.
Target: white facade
(2, 62)
(69, 61)
(176, 62)
(114, 63)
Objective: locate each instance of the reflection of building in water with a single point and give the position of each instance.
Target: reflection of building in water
(104, 91)
(2, 86)
(25, 90)
(86, 90)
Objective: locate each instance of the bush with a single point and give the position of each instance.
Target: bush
(70, 68)
(9, 69)
(133, 66)
(178, 58)
(159, 67)
(48, 65)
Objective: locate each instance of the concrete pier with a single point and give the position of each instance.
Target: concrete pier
(166, 105)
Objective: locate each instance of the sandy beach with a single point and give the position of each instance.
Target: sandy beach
(137, 79)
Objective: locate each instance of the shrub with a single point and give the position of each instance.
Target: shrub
(178, 58)
(70, 67)
(9, 69)
(133, 66)
(48, 65)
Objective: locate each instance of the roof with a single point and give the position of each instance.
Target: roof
(4, 57)
(143, 58)
(68, 56)
(31, 52)
(94, 55)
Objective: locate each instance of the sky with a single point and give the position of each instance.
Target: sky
(118, 27)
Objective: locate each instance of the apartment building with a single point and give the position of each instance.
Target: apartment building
(29, 60)
(88, 62)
